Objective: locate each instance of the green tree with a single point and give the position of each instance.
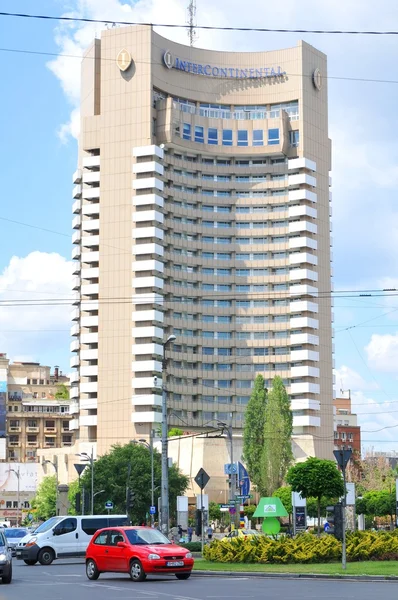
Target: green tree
(62, 392)
(277, 452)
(110, 475)
(316, 478)
(175, 431)
(285, 495)
(45, 498)
(253, 433)
(378, 503)
(214, 511)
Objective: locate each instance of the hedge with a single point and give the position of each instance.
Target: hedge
(304, 548)
(192, 546)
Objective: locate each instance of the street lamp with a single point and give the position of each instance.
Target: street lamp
(165, 461)
(18, 474)
(100, 492)
(228, 430)
(150, 448)
(89, 458)
(55, 465)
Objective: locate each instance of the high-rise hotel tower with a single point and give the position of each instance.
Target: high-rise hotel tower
(202, 211)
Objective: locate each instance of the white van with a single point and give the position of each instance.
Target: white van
(64, 537)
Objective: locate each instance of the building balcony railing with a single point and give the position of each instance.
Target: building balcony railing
(67, 443)
(50, 429)
(65, 429)
(33, 444)
(14, 444)
(49, 444)
(15, 429)
(32, 430)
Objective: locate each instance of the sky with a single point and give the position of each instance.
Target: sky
(39, 126)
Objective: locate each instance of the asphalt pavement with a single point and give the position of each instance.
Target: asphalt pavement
(66, 580)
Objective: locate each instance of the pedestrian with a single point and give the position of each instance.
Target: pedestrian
(180, 531)
(190, 533)
(209, 533)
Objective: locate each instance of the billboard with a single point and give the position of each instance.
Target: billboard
(27, 477)
(3, 408)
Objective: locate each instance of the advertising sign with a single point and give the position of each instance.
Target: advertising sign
(9, 477)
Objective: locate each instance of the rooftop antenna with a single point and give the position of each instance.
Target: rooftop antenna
(191, 20)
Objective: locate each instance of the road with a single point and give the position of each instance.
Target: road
(67, 581)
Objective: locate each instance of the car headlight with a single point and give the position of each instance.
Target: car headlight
(31, 542)
(3, 557)
(153, 556)
(188, 555)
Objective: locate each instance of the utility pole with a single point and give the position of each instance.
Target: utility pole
(191, 20)
(165, 459)
(18, 474)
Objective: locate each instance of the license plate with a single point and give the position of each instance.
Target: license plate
(175, 563)
(19, 552)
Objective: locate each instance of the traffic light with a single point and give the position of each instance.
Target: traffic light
(335, 519)
(130, 499)
(198, 522)
(78, 503)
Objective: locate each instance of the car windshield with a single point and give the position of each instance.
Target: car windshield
(48, 524)
(146, 536)
(250, 532)
(15, 533)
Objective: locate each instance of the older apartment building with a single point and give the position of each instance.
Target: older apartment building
(35, 418)
(201, 210)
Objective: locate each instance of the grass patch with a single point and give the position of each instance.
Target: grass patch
(385, 568)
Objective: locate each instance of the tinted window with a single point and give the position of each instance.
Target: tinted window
(115, 537)
(15, 533)
(66, 526)
(90, 526)
(100, 540)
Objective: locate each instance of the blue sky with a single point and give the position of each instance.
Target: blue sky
(38, 157)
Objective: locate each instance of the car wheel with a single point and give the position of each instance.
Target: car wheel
(183, 575)
(92, 570)
(46, 556)
(30, 563)
(137, 573)
(7, 578)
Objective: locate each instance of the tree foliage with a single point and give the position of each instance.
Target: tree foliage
(285, 495)
(214, 511)
(45, 498)
(378, 503)
(317, 478)
(62, 392)
(253, 433)
(277, 452)
(110, 475)
(175, 431)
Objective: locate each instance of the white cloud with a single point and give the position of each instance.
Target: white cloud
(348, 379)
(382, 352)
(26, 331)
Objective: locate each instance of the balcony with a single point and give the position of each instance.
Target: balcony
(148, 232)
(302, 194)
(32, 444)
(89, 354)
(74, 361)
(302, 179)
(90, 273)
(88, 421)
(301, 163)
(91, 177)
(89, 388)
(90, 225)
(147, 183)
(302, 242)
(76, 237)
(148, 265)
(74, 377)
(150, 366)
(305, 404)
(302, 211)
(306, 421)
(301, 306)
(14, 444)
(300, 274)
(152, 150)
(89, 338)
(304, 371)
(32, 430)
(89, 371)
(91, 162)
(298, 258)
(297, 339)
(50, 429)
(74, 346)
(303, 322)
(148, 215)
(148, 282)
(89, 240)
(147, 400)
(304, 388)
(91, 209)
(145, 199)
(76, 252)
(77, 191)
(77, 176)
(74, 392)
(156, 349)
(76, 206)
(89, 321)
(15, 429)
(148, 249)
(92, 193)
(300, 355)
(148, 315)
(90, 257)
(68, 443)
(148, 167)
(76, 222)
(147, 332)
(297, 226)
(90, 289)
(146, 417)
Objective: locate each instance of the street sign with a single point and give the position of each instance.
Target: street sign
(152, 510)
(241, 497)
(202, 478)
(79, 468)
(109, 505)
(244, 481)
(230, 469)
(225, 506)
(342, 457)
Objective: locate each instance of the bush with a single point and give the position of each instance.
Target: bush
(304, 548)
(192, 546)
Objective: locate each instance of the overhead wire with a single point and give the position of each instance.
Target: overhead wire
(76, 19)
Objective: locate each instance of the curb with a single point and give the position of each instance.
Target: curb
(369, 578)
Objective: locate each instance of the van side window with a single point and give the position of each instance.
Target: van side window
(66, 526)
(101, 539)
(90, 526)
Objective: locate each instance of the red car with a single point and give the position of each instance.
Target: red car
(138, 551)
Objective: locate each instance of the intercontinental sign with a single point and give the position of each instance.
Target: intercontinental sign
(172, 62)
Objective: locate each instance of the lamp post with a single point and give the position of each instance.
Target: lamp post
(165, 462)
(232, 495)
(55, 465)
(89, 458)
(150, 448)
(18, 474)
